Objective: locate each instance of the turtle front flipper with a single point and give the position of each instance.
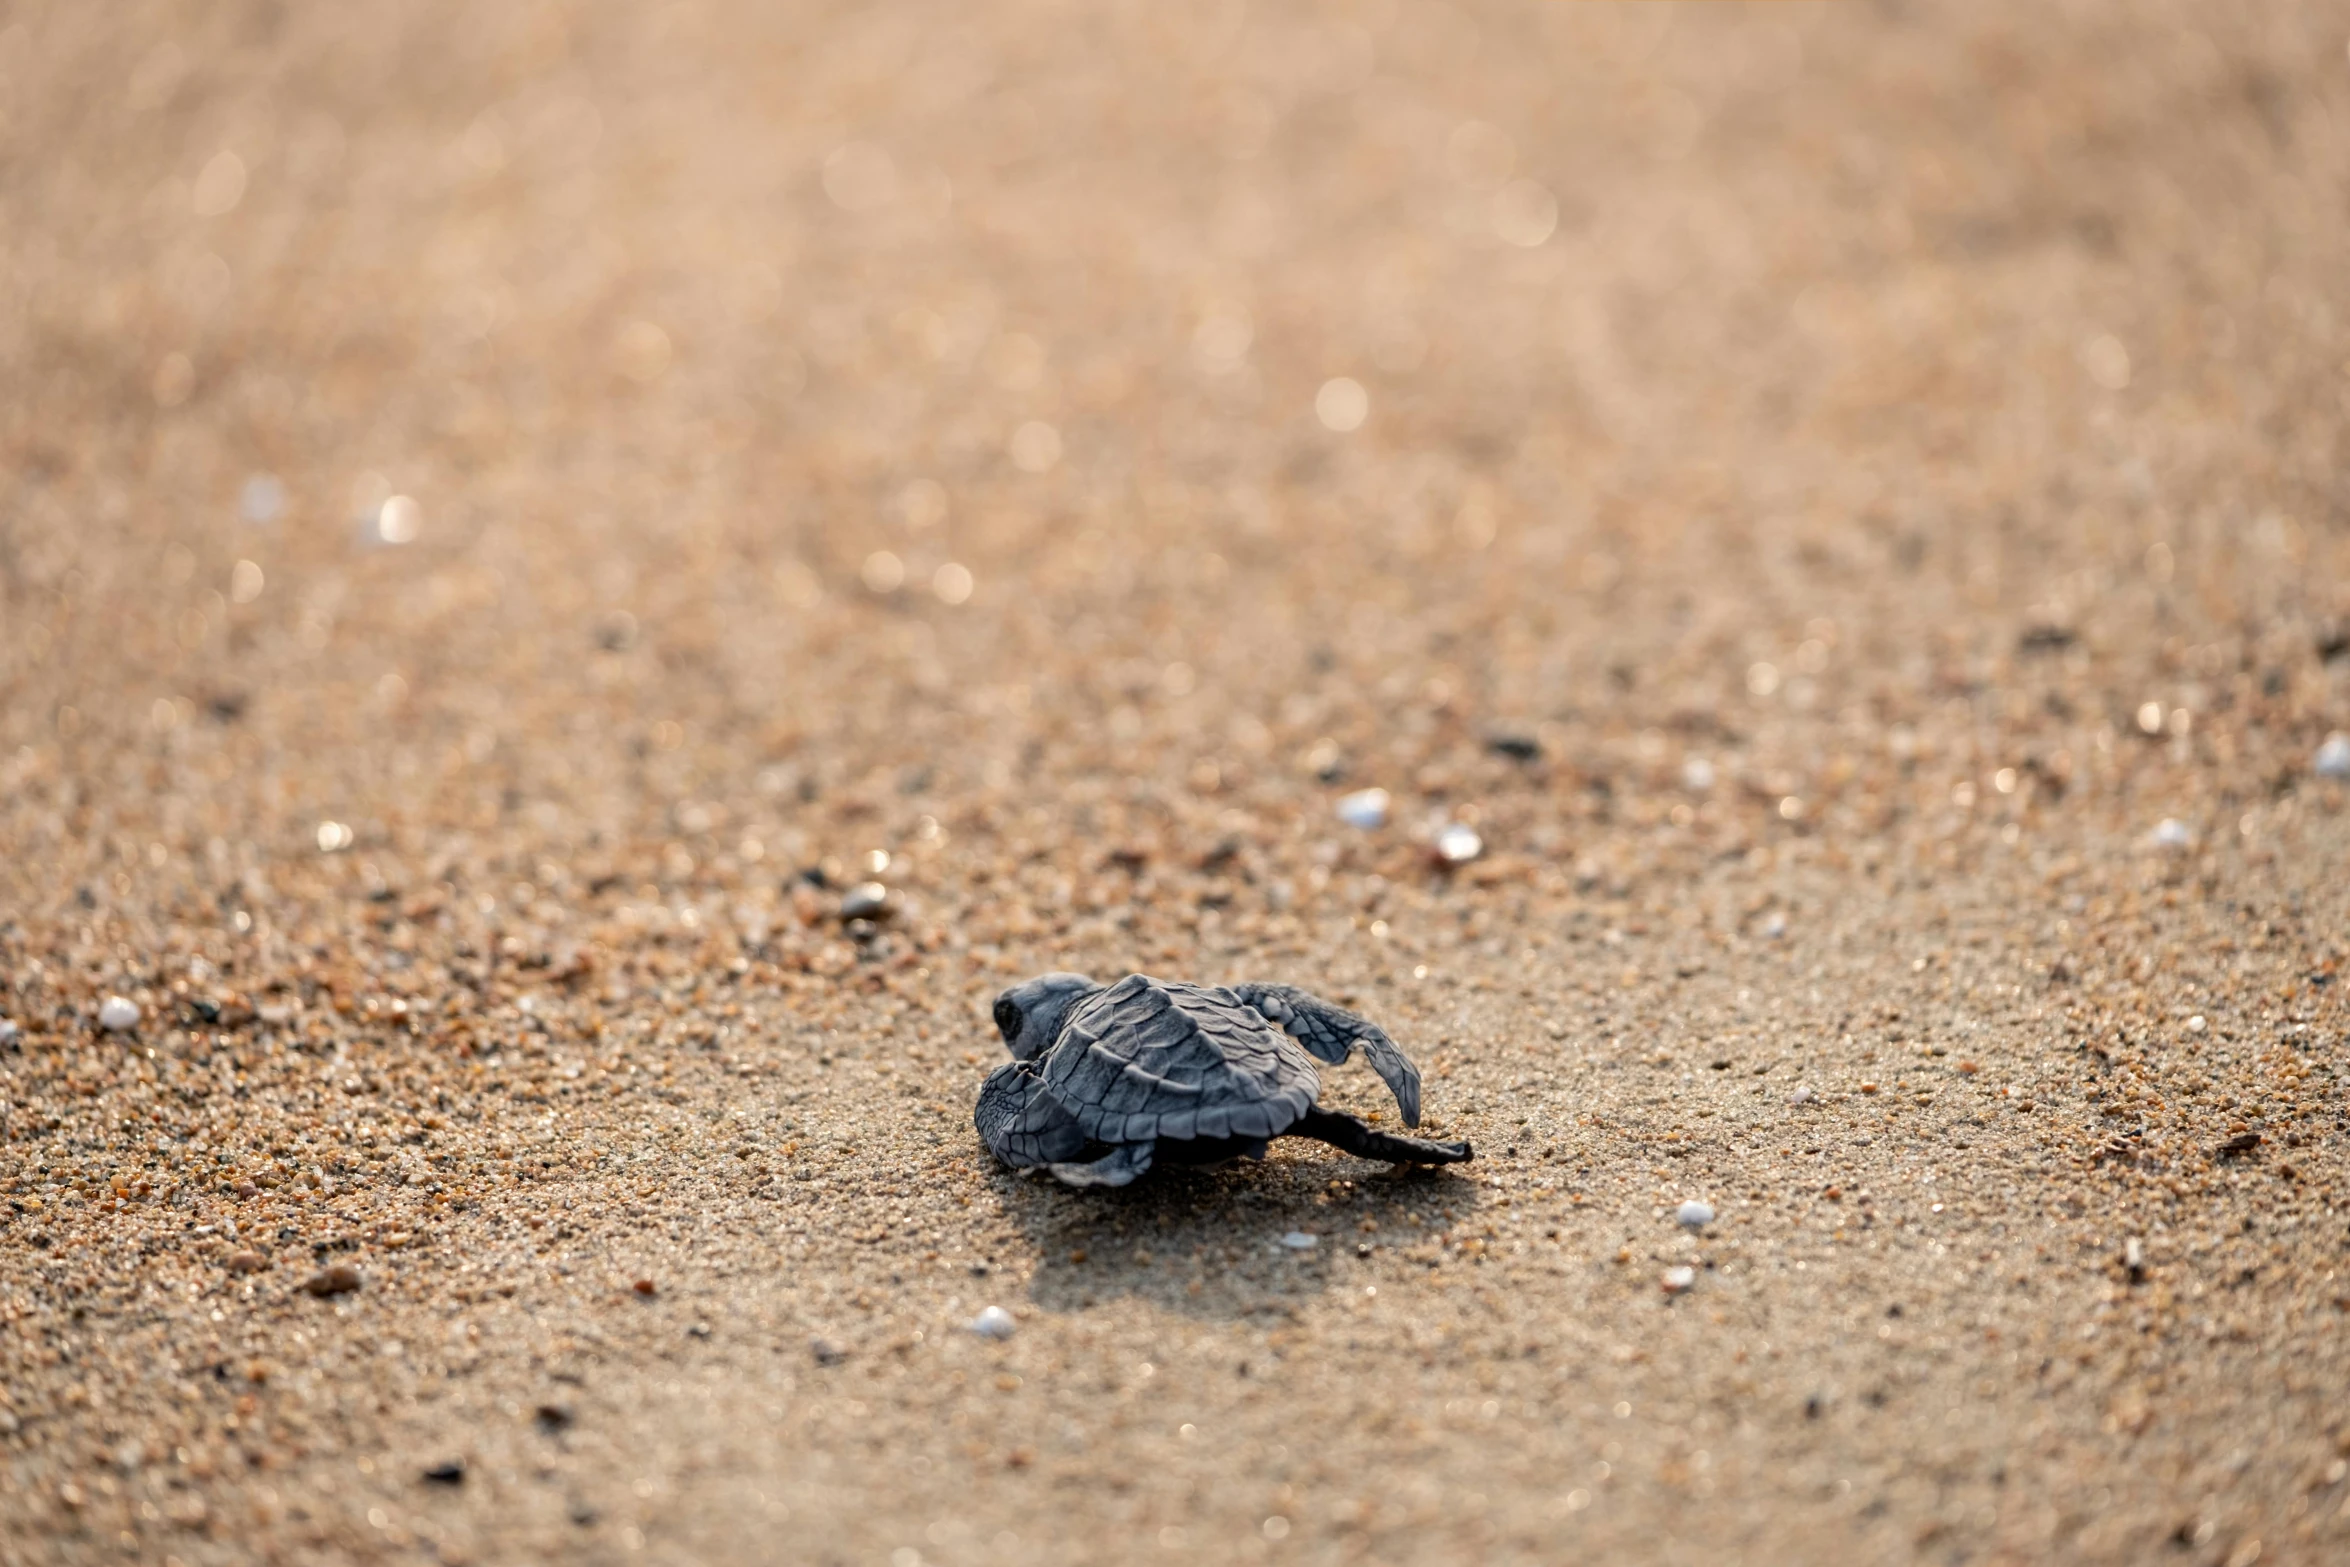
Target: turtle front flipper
(1118, 1167)
(1331, 1033)
(1348, 1135)
(1021, 1123)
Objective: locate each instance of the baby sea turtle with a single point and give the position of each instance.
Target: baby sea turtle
(1106, 1080)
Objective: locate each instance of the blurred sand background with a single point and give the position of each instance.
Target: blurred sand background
(509, 513)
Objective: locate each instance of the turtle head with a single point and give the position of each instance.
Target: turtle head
(1029, 1015)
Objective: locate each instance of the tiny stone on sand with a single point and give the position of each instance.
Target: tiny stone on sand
(118, 1014)
(2333, 757)
(1458, 844)
(995, 1322)
(865, 901)
(1694, 1215)
(335, 1279)
(1679, 1281)
(1365, 808)
(1299, 1240)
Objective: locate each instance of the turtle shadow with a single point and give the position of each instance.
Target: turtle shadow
(1223, 1242)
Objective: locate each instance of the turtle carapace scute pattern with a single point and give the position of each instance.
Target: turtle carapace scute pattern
(1107, 1080)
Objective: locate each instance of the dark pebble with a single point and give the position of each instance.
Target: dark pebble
(866, 901)
(338, 1278)
(2045, 639)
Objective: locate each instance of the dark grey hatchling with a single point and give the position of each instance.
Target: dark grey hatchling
(1107, 1080)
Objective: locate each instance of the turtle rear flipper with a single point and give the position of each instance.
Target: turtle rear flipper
(1349, 1135)
(1023, 1124)
(1116, 1168)
(1331, 1033)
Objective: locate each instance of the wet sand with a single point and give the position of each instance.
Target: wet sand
(507, 520)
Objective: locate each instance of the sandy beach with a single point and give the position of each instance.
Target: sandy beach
(581, 585)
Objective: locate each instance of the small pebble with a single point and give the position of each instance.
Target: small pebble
(616, 632)
(1694, 1215)
(2196, 1024)
(1801, 1096)
(825, 1352)
(1365, 808)
(995, 1322)
(1774, 927)
(245, 1262)
(865, 901)
(1697, 775)
(394, 522)
(2171, 833)
(1679, 1280)
(9, 1033)
(1299, 1240)
(1517, 747)
(2333, 757)
(1457, 844)
(118, 1013)
(338, 1278)
(450, 1473)
(646, 1288)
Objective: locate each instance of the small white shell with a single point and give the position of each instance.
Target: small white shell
(1458, 843)
(1365, 808)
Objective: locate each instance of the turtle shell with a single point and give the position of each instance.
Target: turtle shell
(1149, 1058)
